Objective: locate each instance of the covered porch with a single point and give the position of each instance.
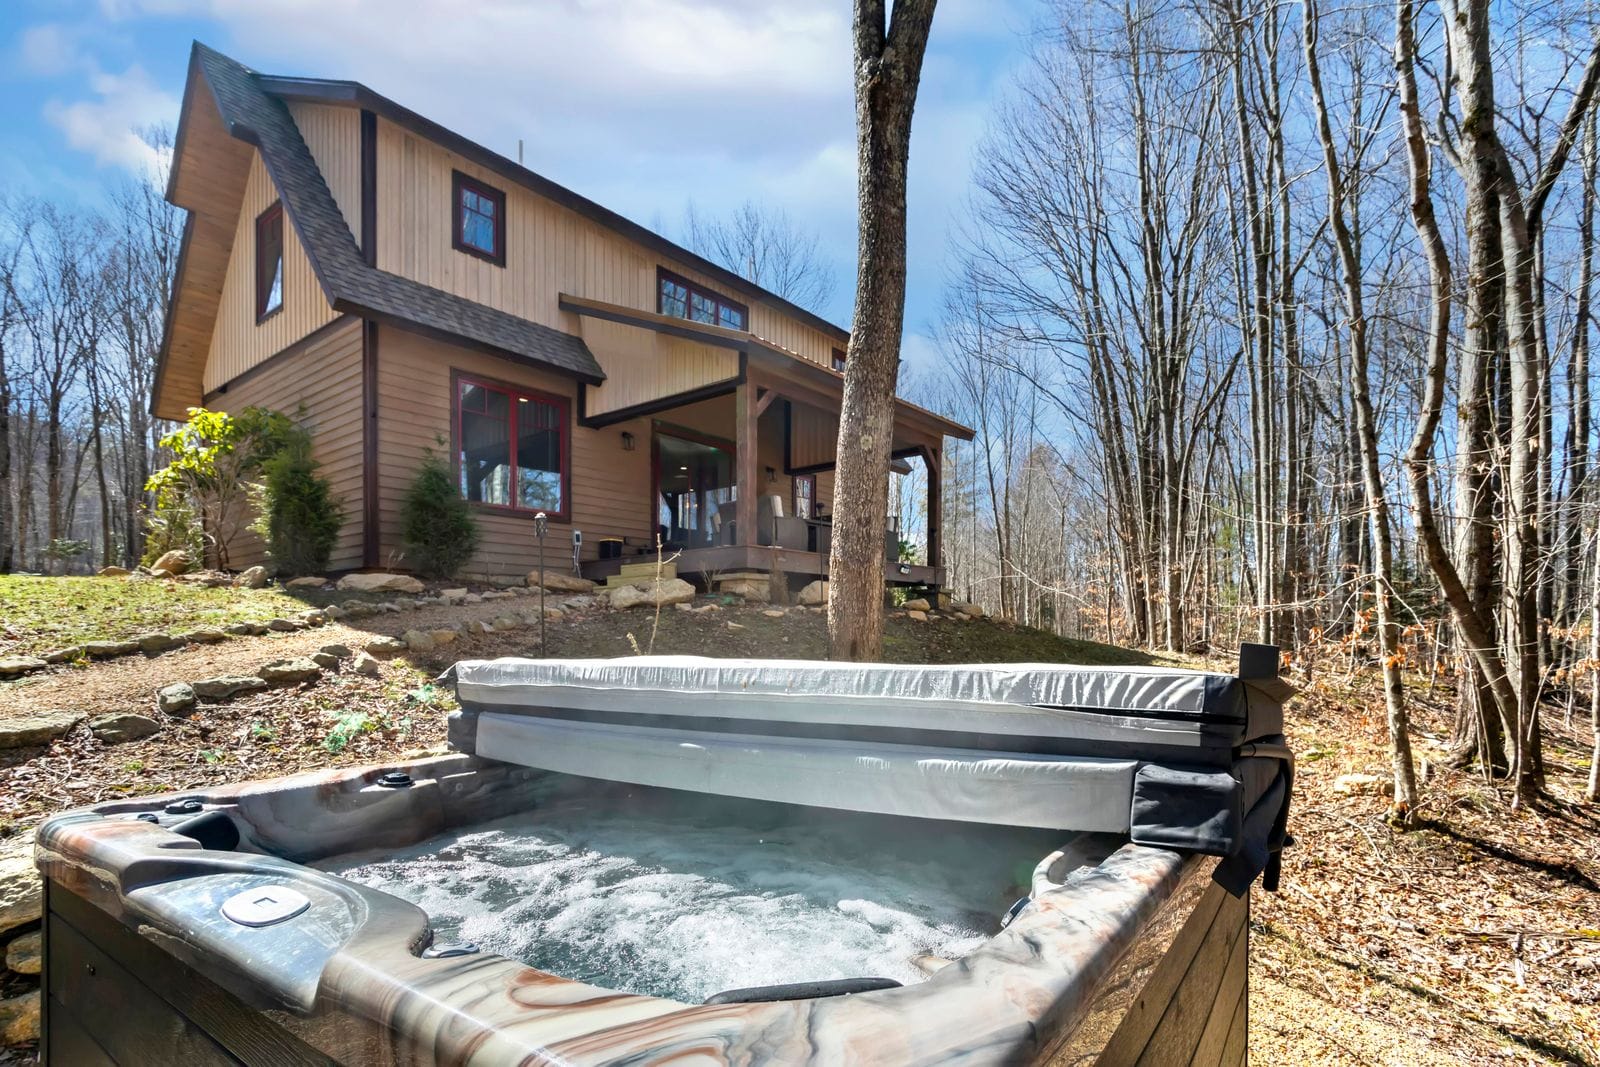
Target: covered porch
(742, 468)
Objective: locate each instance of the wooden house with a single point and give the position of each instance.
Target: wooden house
(402, 289)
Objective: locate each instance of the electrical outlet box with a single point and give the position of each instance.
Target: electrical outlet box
(577, 538)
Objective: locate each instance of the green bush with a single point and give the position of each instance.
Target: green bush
(298, 517)
(440, 533)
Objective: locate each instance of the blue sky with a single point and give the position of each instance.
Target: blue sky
(643, 105)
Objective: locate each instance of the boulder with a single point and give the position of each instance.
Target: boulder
(325, 661)
(227, 686)
(966, 607)
(582, 602)
(380, 583)
(19, 1019)
(238, 629)
(334, 611)
(13, 666)
(748, 586)
(502, 580)
(177, 699)
(309, 581)
(555, 614)
(496, 594)
(22, 955)
(171, 564)
(366, 664)
(155, 643)
(289, 671)
(478, 626)
(773, 613)
(813, 594)
(919, 604)
(21, 892)
(64, 655)
(1363, 784)
(453, 594)
(561, 583)
(383, 647)
(40, 728)
(652, 594)
(337, 651)
(125, 726)
(206, 636)
(358, 609)
(254, 578)
(507, 622)
(114, 572)
(417, 641)
(313, 617)
(472, 598)
(284, 626)
(110, 649)
(442, 637)
(917, 615)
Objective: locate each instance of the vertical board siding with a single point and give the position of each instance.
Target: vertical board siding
(333, 134)
(642, 365)
(319, 386)
(238, 342)
(550, 249)
(610, 486)
(813, 435)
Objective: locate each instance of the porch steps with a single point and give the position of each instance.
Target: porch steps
(641, 572)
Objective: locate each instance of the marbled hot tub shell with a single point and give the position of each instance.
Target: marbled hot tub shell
(1137, 954)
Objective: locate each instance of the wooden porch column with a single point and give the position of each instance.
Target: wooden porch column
(745, 415)
(934, 457)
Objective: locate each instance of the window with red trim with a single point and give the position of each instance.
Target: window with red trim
(838, 360)
(269, 261)
(511, 447)
(479, 227)
(683, 299)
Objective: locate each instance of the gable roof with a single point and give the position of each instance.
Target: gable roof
(251, 115)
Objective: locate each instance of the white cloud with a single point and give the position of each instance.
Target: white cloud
(108, 124)
(48, 49)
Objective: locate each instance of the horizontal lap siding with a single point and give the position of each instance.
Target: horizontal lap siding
(238, 342)
(325, 377)
(610, 486)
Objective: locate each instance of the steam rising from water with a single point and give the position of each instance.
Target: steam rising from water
(679, 895)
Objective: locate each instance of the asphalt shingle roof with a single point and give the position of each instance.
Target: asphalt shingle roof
(349, 282)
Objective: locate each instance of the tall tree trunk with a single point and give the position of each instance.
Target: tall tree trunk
(888, 66)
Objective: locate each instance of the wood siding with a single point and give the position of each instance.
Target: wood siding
(813, 435)
(238, 342)
(322, 375)
(550, 249)
(610, 486)
(643, 365)
(333, 134)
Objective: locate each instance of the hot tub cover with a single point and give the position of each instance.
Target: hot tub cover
(1170, 757)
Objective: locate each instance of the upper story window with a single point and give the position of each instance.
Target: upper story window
(269, 261)
(479, 227)
(838, 360)
(511, 447)
(683, 299)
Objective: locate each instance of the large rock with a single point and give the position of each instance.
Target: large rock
(755, 587)
(171, 564)
(40, 728)
(64, 655)
(1363, 784)
(919, 604)
(204, 636)
(12, 666)
(417, 641)
(380, 583)
(22, 955)
(309, 581)
(652, 594)
(110, 649)
(156, 643)
(254, 578)
(289, 671)
(125, 726)
(114, 572)
(917, 615)
(967, 607)
(366, 664)
(561, 583)
(177, 699)
(813, 594)
(20, 889)
(19, 1019)
(337, 651)
(383, 647)
(228, 686)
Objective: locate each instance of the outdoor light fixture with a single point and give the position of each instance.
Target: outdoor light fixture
(772, 474)
(627, 441)
(905, 569)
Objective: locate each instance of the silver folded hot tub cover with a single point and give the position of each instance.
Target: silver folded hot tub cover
(1189, 760)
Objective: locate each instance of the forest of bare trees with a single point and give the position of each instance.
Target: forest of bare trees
(1274, 322)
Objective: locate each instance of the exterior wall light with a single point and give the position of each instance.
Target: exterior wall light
(627, 441)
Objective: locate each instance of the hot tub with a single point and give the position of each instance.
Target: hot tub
(744, 893)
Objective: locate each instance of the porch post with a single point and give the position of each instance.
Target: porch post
(744, 464)
(934, 457)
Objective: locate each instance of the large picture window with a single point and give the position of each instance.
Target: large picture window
(479, 227)
(269, 261)
(683, 299)
(511, 447)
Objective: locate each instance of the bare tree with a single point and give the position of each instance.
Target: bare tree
(763, 245)
(888, 66)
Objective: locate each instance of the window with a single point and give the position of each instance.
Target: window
(683, 299)
(479, 228)
(838, 360)
(805, 494)
(511, 447)
(269, 261)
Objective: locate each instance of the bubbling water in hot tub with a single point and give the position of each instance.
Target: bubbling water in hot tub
(681, 895)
